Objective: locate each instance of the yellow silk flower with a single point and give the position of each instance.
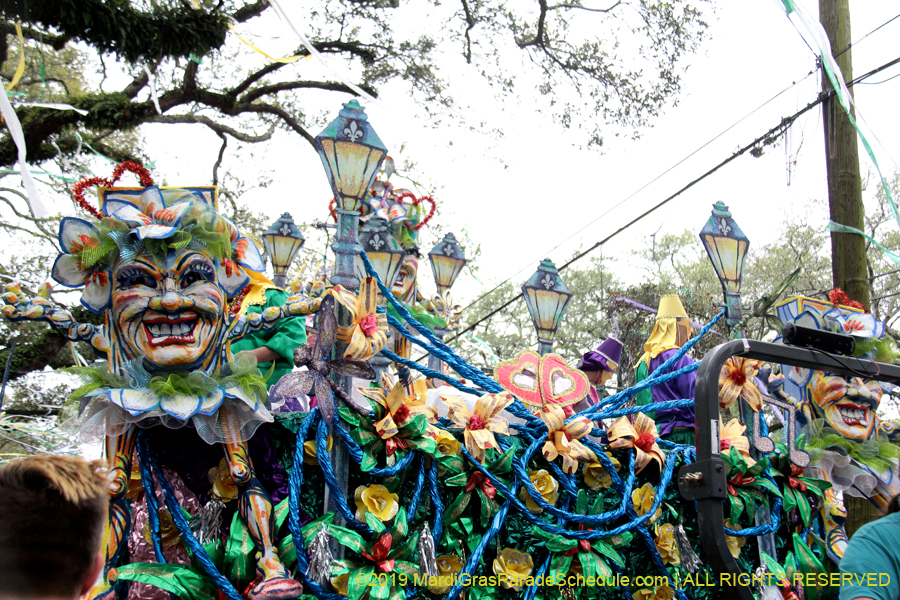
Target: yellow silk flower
(340, 583)
(665, 544)
(563, 438)
(311, 451)
(482, 423)
(643, 498)
(735, 543)
(375, 499)
(512, 567)
(546, 485)
(448, 565)
(732, 436)
(367, 335)
(663, 592)
(596, 476)
(736, 380)
(447, 445)
(641, 436)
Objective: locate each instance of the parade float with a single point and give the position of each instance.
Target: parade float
(435, 482)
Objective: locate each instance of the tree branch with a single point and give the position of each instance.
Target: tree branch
(219, 128)
(470, 24)
(538, 39)
(295, 85)
(245, 13)
(54, 41)
(579, 7)
(283, 115)
(131, 90)
(215, 177)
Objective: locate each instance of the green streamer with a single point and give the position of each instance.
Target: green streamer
(838, 228)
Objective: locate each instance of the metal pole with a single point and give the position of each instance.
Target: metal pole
(279, 280)
(346, 248)
(544, 346)
(434, 363)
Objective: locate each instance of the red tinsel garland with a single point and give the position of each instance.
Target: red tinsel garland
(79, 188)
(838, 296)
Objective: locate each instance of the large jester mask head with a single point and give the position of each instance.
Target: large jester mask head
(847, 404)
(161, 264)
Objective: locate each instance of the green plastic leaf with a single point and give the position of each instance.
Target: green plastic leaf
(560, 565)
(375, 524)
(424, 444)
(350, 416)
(767, 485)
(397, 593)
(180, 580)
(348, 538)
(379, 589)
(503, 463)
(451, 463)
(358, 583)
(749, 504)
(737, 508)
(311, 528)
(808, 563)
(406, 547)
(281, 512)
(415, 427)
(598, 506)
(457, 507)
(406, 567)
(401, 526)
(457, 480)
(608, 551)
(287, 552)
(773, 565)
(790, 500)
(581, 503)
(368, 461)
(804, 507)
(589, 564)
(238, 552)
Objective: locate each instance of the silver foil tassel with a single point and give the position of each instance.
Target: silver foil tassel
(320, 558)
(767, 591)
(427, 555)
(690, 562)
(207, 524)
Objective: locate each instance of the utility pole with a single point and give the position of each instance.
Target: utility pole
(848, 250)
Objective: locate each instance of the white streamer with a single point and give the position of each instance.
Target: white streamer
(55, 106)
(152, 81)
(38, 210)
(319, 57)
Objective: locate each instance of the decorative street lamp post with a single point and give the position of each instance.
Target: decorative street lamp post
(383, 251)
(351, 153)
(283, 241)
(547, 297)
(386, 256)
(447, 261)
(727, 247)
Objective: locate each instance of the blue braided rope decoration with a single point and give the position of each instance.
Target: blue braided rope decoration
(437, 529)
(331, 480)
(152, 510)
(181, 523)
(296, 480)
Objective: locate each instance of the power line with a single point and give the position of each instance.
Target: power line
(851, 44)
(766, 138)
(645, 186)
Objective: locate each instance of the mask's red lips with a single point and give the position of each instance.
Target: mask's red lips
(165, 330)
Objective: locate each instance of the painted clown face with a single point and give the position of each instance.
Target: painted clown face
(848, 406)
(172, 314)
(405, 286)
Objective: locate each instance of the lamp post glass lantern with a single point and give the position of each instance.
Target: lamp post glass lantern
(283, 241)
(726, 246)
(447, 261)
(383, 251)
(351, 153)
(547, 297)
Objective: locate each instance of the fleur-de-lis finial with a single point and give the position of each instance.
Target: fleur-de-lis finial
(376, 242)
(353, 130)
(723, 226)
(548, 282)
(285, 229)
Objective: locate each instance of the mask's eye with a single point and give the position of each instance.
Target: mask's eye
(131, 277)
(197, 272)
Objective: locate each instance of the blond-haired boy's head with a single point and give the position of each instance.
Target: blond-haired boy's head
(52, 510)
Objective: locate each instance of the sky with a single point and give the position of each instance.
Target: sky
(534, 194)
